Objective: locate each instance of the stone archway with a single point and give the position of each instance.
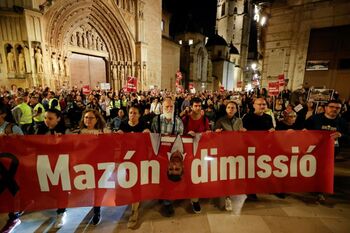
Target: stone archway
(91, 27)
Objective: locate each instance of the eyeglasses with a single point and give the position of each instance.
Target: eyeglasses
(261, 104)
(90, 118)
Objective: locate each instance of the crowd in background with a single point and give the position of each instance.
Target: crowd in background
(114, 106)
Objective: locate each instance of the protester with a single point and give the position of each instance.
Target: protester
(133, 125)
(7, 128)
(258, 120)
(168, 123)
(92, 122)
(54, 125)
(194, 123)
(230, 123)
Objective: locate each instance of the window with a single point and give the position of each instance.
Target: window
(162, 25)
(190, 42)
(201, 68)
(223, 10)
(180, 41)
(235, 10)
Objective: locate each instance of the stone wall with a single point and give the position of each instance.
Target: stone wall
(153, 39)
(170, 63)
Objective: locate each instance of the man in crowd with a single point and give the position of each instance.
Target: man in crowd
(330, 120)
(23, 115)
(167, 123)
(258, 120)
(38, 111)
(194, 123)
(53, 101)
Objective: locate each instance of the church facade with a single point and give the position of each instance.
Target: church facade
(67, 43)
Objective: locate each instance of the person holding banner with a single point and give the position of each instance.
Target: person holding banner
(54, 125)
(170, 124)
(194, 123)
(258, 120)
(133, 125)
(230, 123)
(288, 123)
(92, 122)
(7, 128)
(330, 120)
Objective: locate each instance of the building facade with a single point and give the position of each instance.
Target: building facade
(233, 20)
(300, 32)
(170, 55)
(67, 43)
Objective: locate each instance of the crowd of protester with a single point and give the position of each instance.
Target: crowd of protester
(44, 111)
(113, 106)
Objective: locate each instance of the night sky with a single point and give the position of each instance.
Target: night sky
(202, 14)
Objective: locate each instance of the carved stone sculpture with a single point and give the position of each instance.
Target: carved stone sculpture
(39, 61)
(11, 61)
(54, 63)
(21, 63)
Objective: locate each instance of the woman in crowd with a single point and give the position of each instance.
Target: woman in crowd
(133, 125)
(54, 125)
(156, 107)
(229, 123)
(92, 122)
(288, 122)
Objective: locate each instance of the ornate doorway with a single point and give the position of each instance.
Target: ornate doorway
(97, 29)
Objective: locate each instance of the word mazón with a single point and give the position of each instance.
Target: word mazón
(126, 173)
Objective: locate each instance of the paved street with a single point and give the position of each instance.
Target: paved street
(297, 213)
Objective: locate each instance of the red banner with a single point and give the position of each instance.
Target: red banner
(45, 172)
